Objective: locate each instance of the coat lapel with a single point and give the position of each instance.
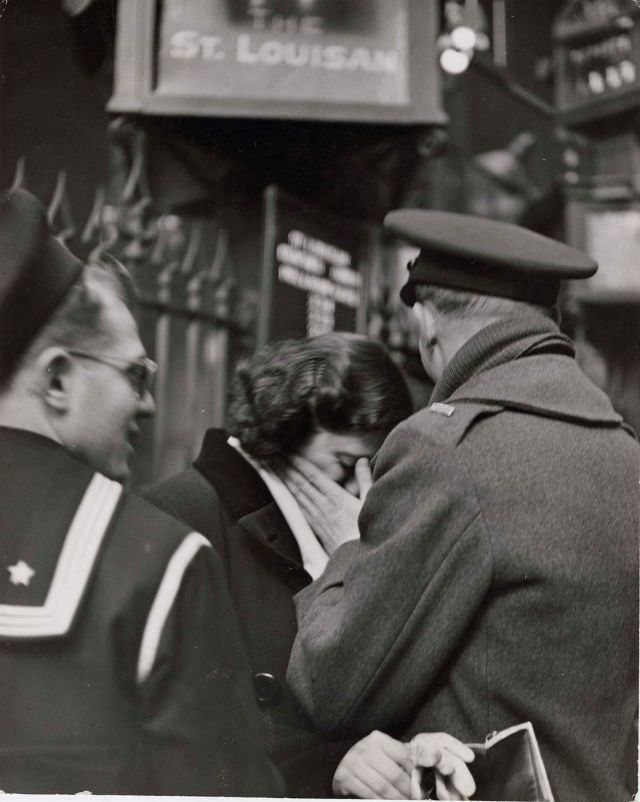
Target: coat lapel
(246, 495)
(267, 526)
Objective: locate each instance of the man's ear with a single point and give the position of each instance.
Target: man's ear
(55, 371)
(426, 320)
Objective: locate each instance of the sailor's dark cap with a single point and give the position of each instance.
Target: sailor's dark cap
(36, 272)
(485, 256)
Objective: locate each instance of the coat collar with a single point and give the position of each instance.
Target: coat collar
(525, 364)
(547, 384)
(55, 516)
(499, 343)
(245, 494)
(267, 526)
(235, 481)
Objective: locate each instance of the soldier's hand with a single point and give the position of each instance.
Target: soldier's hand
(332, 512)
(376, 767)
(448, 757)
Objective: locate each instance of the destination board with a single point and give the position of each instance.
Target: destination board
(314, 271)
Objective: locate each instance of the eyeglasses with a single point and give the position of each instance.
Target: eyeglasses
(140, 372)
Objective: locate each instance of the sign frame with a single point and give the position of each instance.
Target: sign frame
(135, 75)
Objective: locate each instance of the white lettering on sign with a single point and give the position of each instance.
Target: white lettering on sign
(345, 275)
(328, 252)
(320, 269)
(328, 57)
(297, 239)
(191, 44)
(265, 20)
(347, 296)
(305, 281)
(321, 315)
(293, 256)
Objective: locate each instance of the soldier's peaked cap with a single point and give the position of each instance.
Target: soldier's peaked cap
(36, 272)
(475, 254)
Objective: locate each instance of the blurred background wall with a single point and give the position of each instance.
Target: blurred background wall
(535, 121)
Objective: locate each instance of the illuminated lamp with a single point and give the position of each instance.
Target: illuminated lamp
(463, 35)
(454, 61)
(463, 38)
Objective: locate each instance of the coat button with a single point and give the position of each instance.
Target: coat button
(268, 690)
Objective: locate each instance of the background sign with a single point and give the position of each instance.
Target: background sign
(331, 60)
(288, 50)
(313, 280)
(613, 240)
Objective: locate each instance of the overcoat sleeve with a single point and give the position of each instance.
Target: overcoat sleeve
(202, 729)
(377, 628)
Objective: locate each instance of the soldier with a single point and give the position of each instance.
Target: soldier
(123, 668)
(496, 579)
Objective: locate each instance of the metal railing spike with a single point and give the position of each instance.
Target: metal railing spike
(59, 210)
(193, 247)
(19, 177)
(93, 227)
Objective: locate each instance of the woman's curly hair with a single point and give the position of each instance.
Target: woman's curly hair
(344, 383)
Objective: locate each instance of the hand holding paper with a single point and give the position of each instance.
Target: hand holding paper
(376, 767)
(448, 757)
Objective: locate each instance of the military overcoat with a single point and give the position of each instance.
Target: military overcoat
(496, 581)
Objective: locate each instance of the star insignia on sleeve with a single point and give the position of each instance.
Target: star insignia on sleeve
(21, 573)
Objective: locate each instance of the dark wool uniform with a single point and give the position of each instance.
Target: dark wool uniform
(223, 497)
(122, 668)
(496, 581)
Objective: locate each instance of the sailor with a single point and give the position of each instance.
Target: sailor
(496, 579)
(123, 671)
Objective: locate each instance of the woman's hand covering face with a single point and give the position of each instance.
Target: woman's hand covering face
(332, 512)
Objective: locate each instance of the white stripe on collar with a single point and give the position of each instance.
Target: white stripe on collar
(163, 602)
(75, 562)
(314, 557)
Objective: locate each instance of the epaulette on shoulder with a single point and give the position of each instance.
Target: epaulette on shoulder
(449, 422)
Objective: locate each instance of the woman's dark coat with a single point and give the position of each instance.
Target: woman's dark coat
(225, 499)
